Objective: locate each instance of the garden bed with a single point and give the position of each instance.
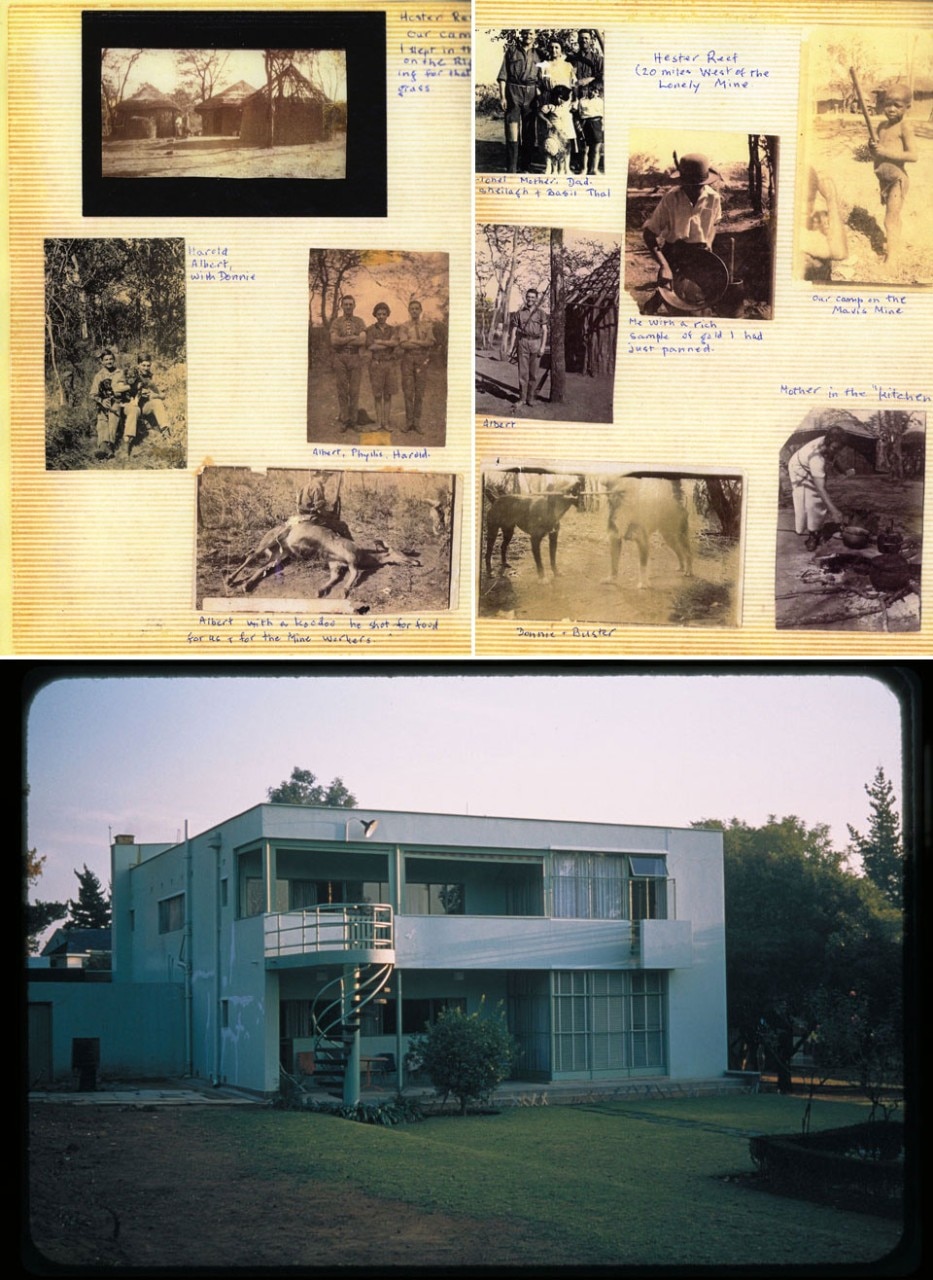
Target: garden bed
(859, 1167)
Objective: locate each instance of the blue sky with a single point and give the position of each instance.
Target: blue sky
(144, 755)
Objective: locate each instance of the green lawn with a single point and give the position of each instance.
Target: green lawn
(640, 1184)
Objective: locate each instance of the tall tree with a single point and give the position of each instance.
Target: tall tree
(881, 850)
(39, 915)
(91, 910)
(558, 318)
(201, 70)
(799, 924)
(303, 788)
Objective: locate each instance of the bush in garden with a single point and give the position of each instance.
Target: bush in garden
(465, 1055)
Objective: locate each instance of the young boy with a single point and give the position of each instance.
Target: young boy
(894, 149)
(589, 109)
(684, 220)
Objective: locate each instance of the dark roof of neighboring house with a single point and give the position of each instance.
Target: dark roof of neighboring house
(147, 98)
(230, 97)
(77, 942)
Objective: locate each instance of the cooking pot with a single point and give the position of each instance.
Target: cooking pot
(890, 541)
(889, 572)
(855, 537)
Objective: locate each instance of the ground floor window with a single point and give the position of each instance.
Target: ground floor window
(608, 1021)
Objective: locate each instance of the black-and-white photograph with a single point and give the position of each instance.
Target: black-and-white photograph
(539, 100)
(377, 346)
(115, 355)
(865, 166)
(339, 541)
(611, 544)
(547, 319)
(224, 113)
(699, 223)
(234, 113)
(850, 521)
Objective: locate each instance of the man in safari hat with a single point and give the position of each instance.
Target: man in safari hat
(683, 220)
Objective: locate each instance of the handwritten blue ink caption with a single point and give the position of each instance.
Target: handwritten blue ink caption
(431, 53)
(690, 72)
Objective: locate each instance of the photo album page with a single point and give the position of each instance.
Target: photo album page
(467, 331)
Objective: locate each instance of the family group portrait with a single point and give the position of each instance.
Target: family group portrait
(850, 521)
(223, 113)
(611, 545)
(324, 541)
(115, 354)
(865, 175)
(546, 323)
(540, 100)
(700, 223)
(378, 326)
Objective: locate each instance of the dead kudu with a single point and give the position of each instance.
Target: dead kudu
(298, 539)
(538, 515)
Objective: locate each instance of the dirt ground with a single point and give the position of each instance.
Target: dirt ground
(585, 399)
(581, 593)
(836, 147)
(489, 150)
(819, 594)
(222, 158)
(324, 426)
(150, 1187)
(395, 510)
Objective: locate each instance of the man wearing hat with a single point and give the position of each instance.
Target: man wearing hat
(518, 92)
(683, 221)
(146, 401)
(382, 344)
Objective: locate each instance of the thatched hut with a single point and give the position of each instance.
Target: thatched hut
(222, 114)
(148, 114)
(298, 112)
(592, 319)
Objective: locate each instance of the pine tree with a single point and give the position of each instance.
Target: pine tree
(92, 908)
(881, 850)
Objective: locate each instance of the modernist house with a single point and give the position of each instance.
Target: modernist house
(318, 940)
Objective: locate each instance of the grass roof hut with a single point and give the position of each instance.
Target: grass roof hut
(222, 114)
(148, 114)
(297, 112)
(592, 318)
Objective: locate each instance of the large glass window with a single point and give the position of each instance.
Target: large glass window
(588, 886)
(608, 1021)
(434, 899)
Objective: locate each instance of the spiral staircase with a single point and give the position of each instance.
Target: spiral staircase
(336, 1015)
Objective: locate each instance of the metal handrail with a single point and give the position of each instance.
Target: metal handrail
(338, 926)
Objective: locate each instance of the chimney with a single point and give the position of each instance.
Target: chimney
(124, 839)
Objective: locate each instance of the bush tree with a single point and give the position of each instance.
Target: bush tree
(465, 1055)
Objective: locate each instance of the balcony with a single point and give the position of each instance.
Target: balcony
(345, 932)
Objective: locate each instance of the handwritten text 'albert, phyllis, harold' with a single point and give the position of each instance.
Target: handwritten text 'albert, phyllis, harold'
(691, 72)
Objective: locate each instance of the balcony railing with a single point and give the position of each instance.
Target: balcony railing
(339, 926)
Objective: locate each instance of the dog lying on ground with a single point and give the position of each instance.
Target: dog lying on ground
(539, 515)
(299, 539)
(639, 507)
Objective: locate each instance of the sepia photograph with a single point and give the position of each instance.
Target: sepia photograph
(234, 113)
(547, 321)
(612, 545)
(865, 177)
(850, 522)
(331, 541)
(115, 355)
(699, 223)
(378, 326)
(225, 113)
(539, 101)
